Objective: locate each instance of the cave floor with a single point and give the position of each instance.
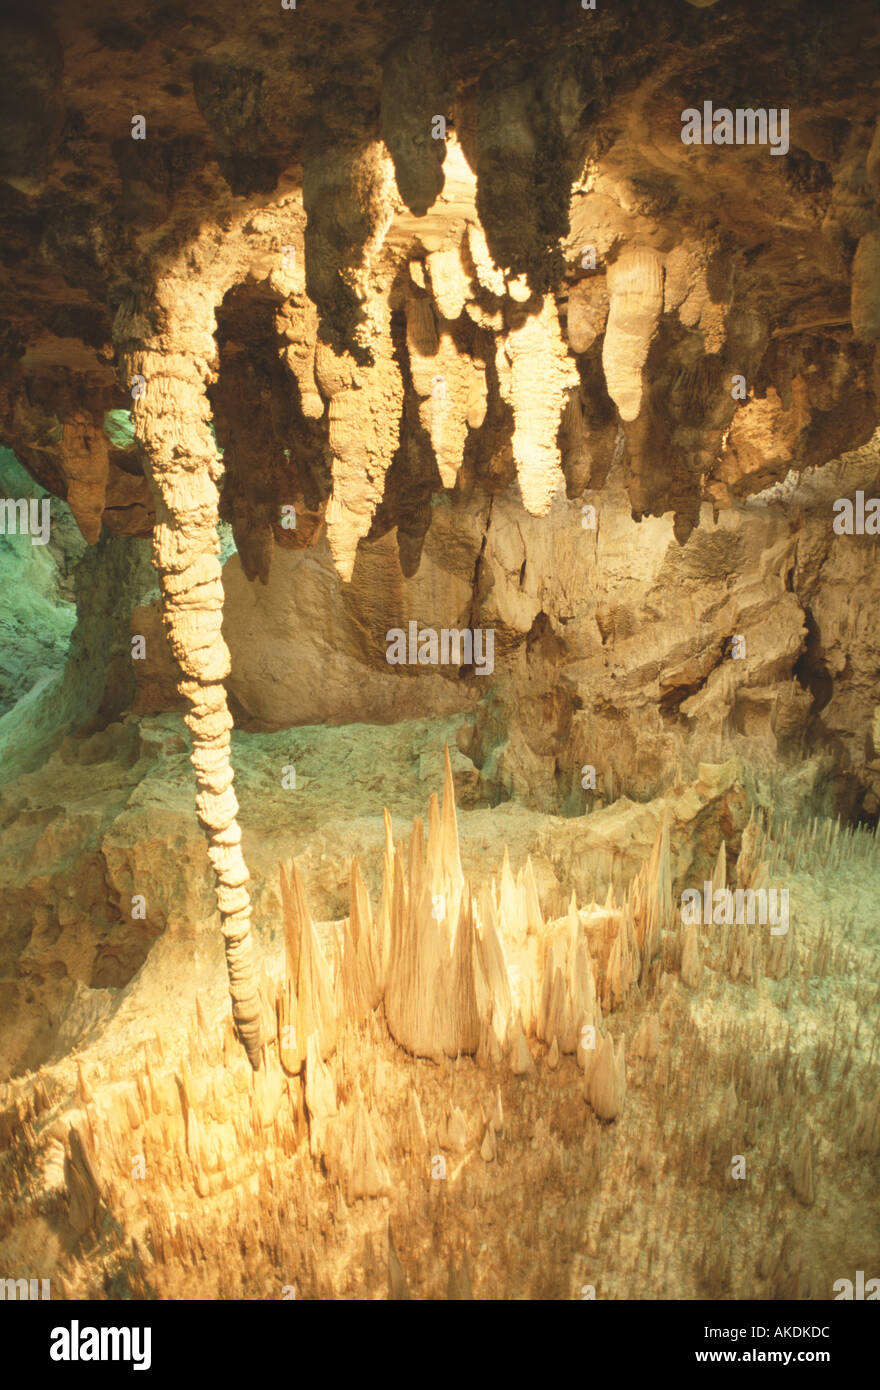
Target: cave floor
(764, 1062)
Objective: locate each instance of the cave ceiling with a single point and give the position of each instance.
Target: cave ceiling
(543, 282)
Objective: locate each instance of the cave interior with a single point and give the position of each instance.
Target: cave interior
(439, 705)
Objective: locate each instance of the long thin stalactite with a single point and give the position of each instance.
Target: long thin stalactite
(171, 415)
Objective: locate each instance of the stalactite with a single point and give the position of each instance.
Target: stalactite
(171, 418)
(635, 288)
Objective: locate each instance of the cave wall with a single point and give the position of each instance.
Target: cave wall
(37, 609)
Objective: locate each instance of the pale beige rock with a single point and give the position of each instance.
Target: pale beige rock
(587, 314)
(488, 274)
(518, 289)
(450, 283)
(300, 329)
(635, 289)
(536, 385)
(605, 1082)
(488, 1148)
(646, 1043)
(446, 381)
(366, 1174)
(454, 1135)
(170, 414)
(690, 957)
(309, 1010)
(363, 434)
(521, 1060)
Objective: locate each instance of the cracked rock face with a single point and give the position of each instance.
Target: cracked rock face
(402, 331)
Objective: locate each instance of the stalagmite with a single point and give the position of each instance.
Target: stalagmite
(450, 855)
(84, 1093)
(458, 1288)
(398, 1288)
(521, 1060)
(568, 998)
(802, 1173)
(493, 973)
(310, 1005)
(534, 915)
(658, 897)
(83, 1189)
(511, 905)
(690, 957)
(361, 986)
(441, 972)
(488, 1148)
(464, 989)
(646, 1042)
(454, 1134)
(366, 1174)
(605, 1079)
(416, 1135)
(460, 976)
(419, 957)
(320, 1095)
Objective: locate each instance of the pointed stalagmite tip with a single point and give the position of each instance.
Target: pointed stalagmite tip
(449, 826)
(398, 1289)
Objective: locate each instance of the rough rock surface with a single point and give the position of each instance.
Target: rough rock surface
(628, 1067)
(549, 296)
(433, 310)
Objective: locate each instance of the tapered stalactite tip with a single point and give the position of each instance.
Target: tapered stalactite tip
(252, 1045)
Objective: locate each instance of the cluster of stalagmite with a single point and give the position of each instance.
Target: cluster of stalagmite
(170, 369)
(455, 973)
(527, 1017)
(471, 973)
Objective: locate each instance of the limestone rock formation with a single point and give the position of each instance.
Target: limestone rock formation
(501, 408)
(350, 1121)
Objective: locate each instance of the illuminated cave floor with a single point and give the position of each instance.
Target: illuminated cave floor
(139, 1156)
